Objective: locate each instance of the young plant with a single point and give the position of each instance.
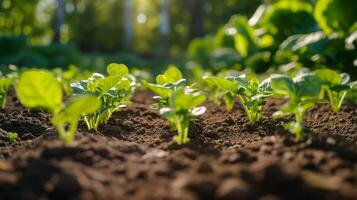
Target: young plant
(335, 85)
(39, 89)
(165, 84)
(183, 105)
(5, 83)
(303, 92)
(114, 92)
(250, 93)
(12, 137)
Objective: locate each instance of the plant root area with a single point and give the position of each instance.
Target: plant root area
(134, 156)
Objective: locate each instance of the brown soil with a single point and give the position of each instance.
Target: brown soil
(134, 157)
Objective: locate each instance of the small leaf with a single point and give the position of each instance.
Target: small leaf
(76, 107)
(198, 111)
(162, 91)
(171, 75)
(114, 69)
(222, 83)
(5, 83)
(107, 83)
(328, 76)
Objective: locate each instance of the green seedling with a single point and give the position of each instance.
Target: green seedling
(165, 84)
(335, 85)
(183, 105)
(114, 92)
(5, 83)
(12, 137)
(39, 89)
(302, 92)
(250, 93)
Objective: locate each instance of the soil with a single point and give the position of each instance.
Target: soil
(134, 157)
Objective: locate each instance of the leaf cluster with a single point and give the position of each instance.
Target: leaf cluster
(114, 91)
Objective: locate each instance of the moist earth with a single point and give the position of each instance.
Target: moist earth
(134, 157)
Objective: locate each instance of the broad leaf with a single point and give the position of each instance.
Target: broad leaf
(222, 83)
(282, 85)
(118, 70)
(39, 89)
(328, 76)
(307, 85)
(162, 91)
(171, 75)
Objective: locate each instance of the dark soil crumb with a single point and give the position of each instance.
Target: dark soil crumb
(134, 157)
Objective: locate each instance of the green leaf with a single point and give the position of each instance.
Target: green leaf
(265, 86)
(245, 41)
(105, 84)
(282, 85)
(307, 85)
(328, 76)
(242, 81)
(186, 101)
(171, 75)
(222, 83)
(123, 85)
(77, 107)
(160, 90)
(5, 83)
(39, 89)
(229, 101)
(120, 70)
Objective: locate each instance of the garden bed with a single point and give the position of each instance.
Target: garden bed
(134, 156)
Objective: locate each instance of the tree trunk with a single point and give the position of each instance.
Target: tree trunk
(165, 25)
(128, 23)
(58, 21)
(197, 14)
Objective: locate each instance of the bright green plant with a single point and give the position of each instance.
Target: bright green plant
(165, 84)
(114, 92)
(335, 85)
(250, 93)
(303, 92)
(39, 89)
(183, 104)
(177, 102)
(12, 137)
(5, 83)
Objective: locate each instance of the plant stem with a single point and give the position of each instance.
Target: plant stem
(182, 129)
(2, 100)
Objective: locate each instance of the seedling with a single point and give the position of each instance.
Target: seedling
(165, 84)
(302, 92)
(39, 89)
(183, 105)
(5, 83)
(335, 85)
(177, 102)
(250, 93)
(114, 92)
(12, 137)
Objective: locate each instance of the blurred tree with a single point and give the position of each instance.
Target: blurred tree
(59, 20)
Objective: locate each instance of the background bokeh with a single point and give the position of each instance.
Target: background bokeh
(214, 34)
